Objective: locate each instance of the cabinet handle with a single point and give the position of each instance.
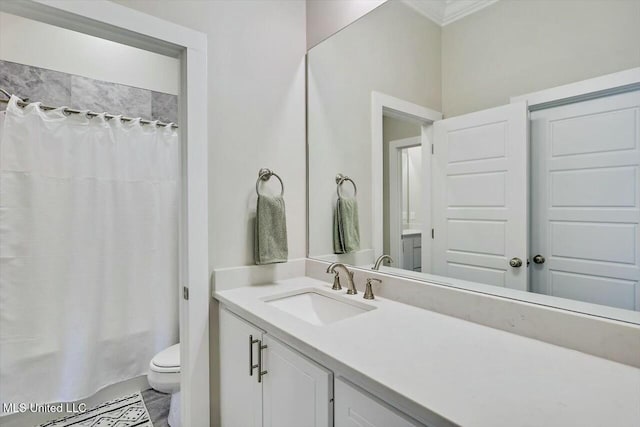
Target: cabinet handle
(260, 371)
(251, 365)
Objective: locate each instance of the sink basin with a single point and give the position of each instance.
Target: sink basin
(317, 307)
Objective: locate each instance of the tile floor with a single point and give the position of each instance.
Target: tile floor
(158, 406)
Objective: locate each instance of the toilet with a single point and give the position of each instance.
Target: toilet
(164, 376)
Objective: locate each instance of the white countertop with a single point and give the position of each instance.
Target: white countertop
(411, 231)
(438, 368)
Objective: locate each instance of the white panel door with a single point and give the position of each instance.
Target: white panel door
(356, 408)
(240, 392)
(296, 391)
(585, 200)
(480, 196)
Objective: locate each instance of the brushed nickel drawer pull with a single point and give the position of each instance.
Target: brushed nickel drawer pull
(260, 371)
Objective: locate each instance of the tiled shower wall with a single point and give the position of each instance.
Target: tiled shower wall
(61, 89)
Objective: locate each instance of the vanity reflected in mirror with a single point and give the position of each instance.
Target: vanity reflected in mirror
(494, 145)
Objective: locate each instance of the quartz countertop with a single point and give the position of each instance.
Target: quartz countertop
(443, 370)
(411, 231)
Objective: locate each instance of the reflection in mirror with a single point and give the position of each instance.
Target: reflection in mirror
(541, 198)
(402, 170)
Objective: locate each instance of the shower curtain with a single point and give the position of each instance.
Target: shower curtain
(88, 251)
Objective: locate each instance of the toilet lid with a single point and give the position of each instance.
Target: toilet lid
(168, 358)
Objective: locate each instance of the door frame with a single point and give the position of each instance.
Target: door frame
(395, 194)
(609, 84)
(111, 21)
(385, 105)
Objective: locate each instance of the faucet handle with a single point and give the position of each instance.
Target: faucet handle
(352, 287)
(368, 292)
(336, 282)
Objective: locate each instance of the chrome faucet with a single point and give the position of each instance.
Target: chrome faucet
(380, 260)
(351, 287)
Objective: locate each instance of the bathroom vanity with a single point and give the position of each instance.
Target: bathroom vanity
(297, 353)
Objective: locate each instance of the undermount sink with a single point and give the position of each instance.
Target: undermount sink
(316, 307)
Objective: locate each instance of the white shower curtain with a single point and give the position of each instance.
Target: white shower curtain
(88, 251)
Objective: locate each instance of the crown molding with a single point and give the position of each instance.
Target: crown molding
(432, 9)
(444, 12)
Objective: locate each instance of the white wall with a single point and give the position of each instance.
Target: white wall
(516, 47)
(46, 46)
(370, 55)
(325, 17)
(414, 188)
(256, 113)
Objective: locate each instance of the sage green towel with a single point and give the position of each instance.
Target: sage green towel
(346, 228)
(271, 231)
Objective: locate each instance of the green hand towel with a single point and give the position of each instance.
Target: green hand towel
(346, 228)
(271, 231)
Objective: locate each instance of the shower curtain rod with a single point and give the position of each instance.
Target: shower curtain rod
(90, 114)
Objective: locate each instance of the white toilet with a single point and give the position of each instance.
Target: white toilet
(164, 376)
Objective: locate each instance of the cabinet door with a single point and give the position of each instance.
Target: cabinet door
(240, 392)
(296, 391)
(407, 253)
(354, 408)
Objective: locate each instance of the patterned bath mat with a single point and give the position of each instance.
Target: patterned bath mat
(126, 411)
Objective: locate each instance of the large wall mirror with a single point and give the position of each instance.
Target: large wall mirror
(491, 145)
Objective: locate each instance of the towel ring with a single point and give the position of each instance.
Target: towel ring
(340, 179)
(263, 175)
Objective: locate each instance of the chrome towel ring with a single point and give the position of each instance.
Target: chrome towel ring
(340, 179)
(263, 175)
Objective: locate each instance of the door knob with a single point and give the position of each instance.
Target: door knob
(538, 259)
(515, 262)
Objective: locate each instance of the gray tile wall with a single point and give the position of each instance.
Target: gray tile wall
(61, 89)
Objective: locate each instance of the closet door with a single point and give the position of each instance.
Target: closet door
(586, 201)
(480, 196)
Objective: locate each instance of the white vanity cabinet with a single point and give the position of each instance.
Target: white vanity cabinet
(293, 391)
(412, 252)
(356, 408)
(240, 392)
